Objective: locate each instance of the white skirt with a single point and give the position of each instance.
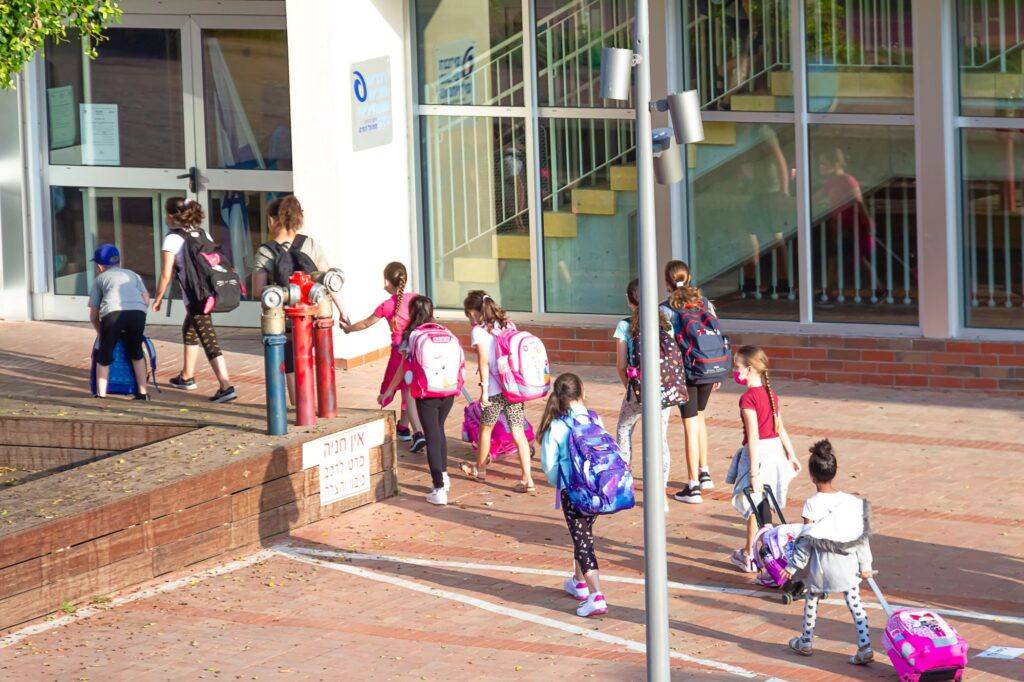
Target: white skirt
(773, 470)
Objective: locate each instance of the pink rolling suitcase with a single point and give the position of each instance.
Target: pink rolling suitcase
(922, 646)
(502, 443)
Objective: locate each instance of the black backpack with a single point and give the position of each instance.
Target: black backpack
(289, 260)
(706, 351)
(209, 279)
(673, 375)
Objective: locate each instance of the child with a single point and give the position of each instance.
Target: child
(834, 548)
(631, 410)
(117, 309)
(432, 412)
(566, 400)
(487, 318)
(767, 454)
(396, 311)
(682, 296)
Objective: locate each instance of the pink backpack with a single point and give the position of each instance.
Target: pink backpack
(522, 365)
(436, 362)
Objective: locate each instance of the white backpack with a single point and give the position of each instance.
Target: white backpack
(436, 362)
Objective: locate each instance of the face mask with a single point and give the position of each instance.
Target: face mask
(738, 379)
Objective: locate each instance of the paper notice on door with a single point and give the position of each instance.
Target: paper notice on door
(101, 141)
(61, 104)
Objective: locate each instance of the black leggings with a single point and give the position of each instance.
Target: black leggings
(697, 400)
(581, 528)
(198, 329)
(433, 412)
(129, 325)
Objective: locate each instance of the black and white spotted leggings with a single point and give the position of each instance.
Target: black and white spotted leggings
(581, 528)
(860, 617)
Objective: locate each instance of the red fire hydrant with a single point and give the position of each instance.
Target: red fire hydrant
(301, 313)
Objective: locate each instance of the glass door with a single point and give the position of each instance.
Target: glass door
(173, 106)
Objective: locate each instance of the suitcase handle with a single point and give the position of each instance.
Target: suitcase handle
(749, 492)
(880, 596)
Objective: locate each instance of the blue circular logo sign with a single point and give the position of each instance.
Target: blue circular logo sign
(467, 63)
(359, 86)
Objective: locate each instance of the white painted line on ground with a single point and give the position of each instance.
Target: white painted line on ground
(672, 584)
(1002, 653)
(89, 611)
(631, 645)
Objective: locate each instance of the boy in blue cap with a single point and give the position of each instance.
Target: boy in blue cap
(117, 309)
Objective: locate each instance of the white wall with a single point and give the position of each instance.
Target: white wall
(357, 204)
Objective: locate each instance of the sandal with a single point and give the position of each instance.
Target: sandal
(803, 648)
(862, 657)
(472, 472)
(524, 487)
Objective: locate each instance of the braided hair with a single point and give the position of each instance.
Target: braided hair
(756, 359)
(397, 276)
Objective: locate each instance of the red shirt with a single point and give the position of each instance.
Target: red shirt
(757, 399)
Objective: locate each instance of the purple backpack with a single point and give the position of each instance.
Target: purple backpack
(600, 481)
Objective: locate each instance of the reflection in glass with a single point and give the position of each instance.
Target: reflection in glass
(744, 245)
(245, 93)
(123, 108)
(864, 224)
(475, 209)
(238, 221)
(470, 52)
(588, 183)
(570, 36)
(993, 228)
(991, 58)
(737, 54)
(859, 56)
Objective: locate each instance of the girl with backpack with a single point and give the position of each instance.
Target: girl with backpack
(395, 309)
(566, 404)
(685, 300)
(184, 217)
(285, 253)
(627, 334)
(432, 370)
(767, 455)
(488, 318)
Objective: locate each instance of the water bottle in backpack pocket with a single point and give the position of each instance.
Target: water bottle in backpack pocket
(673, 373)
(600, 481)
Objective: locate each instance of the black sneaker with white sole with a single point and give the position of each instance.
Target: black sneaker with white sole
(689, 495)
(224, 395)
(141, 396)
(404, 433)
(183, 384)
(705, 481)
(419, 441)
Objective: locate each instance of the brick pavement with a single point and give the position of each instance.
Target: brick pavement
(939, 468)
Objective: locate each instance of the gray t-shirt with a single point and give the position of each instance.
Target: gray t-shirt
(264, 259)
(117, 289)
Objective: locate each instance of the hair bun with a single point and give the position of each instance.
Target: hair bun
(823, 448)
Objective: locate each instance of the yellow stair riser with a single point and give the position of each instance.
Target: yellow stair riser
(623, 178)
(559, 224)
(593, 201)
(511, 246)
(476, 270)
(847, 84)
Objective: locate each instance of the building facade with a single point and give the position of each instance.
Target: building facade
(854, 205)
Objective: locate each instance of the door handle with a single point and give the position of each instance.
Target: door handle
(193, 179)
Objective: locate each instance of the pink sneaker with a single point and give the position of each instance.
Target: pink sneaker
(578, 591)
(743, 561)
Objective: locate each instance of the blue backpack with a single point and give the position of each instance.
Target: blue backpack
(600, 481)
(122, 376)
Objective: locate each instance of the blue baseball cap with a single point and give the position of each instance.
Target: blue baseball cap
(107, 254)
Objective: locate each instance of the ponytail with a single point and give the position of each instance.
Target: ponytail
(491, 314)
(633, 296)
(677, 278)
(567, 389)
(183, 214)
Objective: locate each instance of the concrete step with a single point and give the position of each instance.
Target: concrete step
(559, 225)
(593, 201)
(862, 84)
(623, 178)
(511, 246)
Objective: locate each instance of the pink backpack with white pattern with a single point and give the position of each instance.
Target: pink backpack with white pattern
(522, 365)
(436, 362)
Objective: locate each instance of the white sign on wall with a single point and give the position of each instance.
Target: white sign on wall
(371, 103)
(455, 71)
(344, 460)
(60, 103)
(101, 138)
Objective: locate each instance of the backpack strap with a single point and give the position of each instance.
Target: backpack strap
(151, 349)
(297, 243)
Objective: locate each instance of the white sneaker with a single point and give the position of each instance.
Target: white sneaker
(578, 591)
(447, 482)
(593, 606)
(705, 481)
(438, 496)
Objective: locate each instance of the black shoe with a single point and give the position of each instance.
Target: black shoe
(705, 481)
(689, 495)
(418, 442)
(184, 384)
(404, 433)
(224, 395)
(141, 396)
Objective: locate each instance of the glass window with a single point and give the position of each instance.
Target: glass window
(475, 209)
(470, 52)
(991, 60)
(864, 224)
(570, 36)
(238, 222)
(993, 230)
(737, 54)
(588, 182)
(859, 57)
(245, 95)
(124, 108)
(744, 241)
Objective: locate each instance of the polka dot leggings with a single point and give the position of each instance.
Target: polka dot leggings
(860, 617)
(581, 528)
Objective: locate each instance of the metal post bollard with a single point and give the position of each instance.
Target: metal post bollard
(274, 339)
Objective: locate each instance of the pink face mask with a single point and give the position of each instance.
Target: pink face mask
(738, 379)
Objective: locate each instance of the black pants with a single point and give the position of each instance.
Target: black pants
(433, 412)
(699, 395)
(127, 324)
(581, 529)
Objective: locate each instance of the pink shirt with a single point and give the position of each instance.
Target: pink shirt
(386, 310)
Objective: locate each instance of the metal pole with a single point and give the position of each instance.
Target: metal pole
(655, 562)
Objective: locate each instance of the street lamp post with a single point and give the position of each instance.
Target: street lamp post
(616, 65)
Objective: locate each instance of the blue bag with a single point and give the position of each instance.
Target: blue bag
(122, 376)
(600, 481)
